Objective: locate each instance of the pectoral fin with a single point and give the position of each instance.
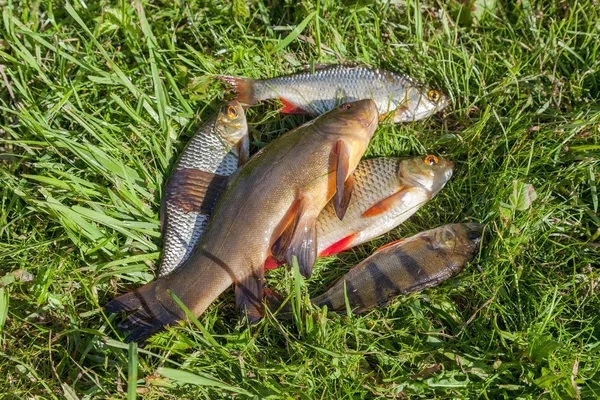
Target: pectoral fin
(193, 190)
(285, 230)
(386, 204)
(249, 294)
(298, 238)
(242, 149)
(343, 186)
(303, 245)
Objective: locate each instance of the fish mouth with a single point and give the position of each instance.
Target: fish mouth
(369, 118)
(477, 233)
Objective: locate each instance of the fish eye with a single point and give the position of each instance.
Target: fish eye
(431, 160)
(434, 95)
(347, 106)
(232, 112)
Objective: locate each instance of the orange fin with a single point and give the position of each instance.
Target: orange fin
(194, 190)
(249, 295)
(244, 87)
(271, 263)
(343, 186)
(385, 246)
(290, 108)
(338, 246)
(386, 204)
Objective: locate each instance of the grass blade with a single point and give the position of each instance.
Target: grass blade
(293, 34)
(198, 380)
(132, 371)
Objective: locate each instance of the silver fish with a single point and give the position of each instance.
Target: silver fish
(214, 153)
(331, 85)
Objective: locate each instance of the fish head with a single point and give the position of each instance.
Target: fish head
(358, 120)
(231, 123)
(461, 239)
(419, 103)
(429, 172)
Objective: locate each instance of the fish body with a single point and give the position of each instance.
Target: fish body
(387, 191)
(407, 266)
(328, 86)
(215, 151)
(269, 207)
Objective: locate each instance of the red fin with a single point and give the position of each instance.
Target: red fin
(244, 87)
(385, 246)
(271, 263)
(290, 108)
(386, 204)
(193, 190)
(338, 246)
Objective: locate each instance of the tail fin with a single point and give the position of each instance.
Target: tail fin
(244, 87)
(148, 314)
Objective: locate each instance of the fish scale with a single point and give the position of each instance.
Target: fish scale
(207, 151)
(421, 261)
(328, 86)
(374, 181)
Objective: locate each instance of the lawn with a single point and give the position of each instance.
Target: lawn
(97, 99)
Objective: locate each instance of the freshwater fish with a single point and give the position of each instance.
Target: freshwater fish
(216, 151)
(387, 191)
(268, 208)
(404, 267)
(330, 85)
(399, 268)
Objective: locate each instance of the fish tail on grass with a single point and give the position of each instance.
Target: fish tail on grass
(148, 316)
(244, 87)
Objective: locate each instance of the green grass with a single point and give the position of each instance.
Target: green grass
(98, 100)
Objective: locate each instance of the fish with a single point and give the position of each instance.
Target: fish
(387, 191)
(215, 152)
(268, 208)
(398, 97)
(400, 268)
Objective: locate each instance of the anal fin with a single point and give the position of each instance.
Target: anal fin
(194, 190)
(249, 296)
(338, 246)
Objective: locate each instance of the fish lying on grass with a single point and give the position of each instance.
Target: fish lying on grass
(400, 268)
(216, 151)
(387, 191)
(269, 207)
(328, 86)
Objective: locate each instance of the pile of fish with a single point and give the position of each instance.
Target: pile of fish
(227, 217)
